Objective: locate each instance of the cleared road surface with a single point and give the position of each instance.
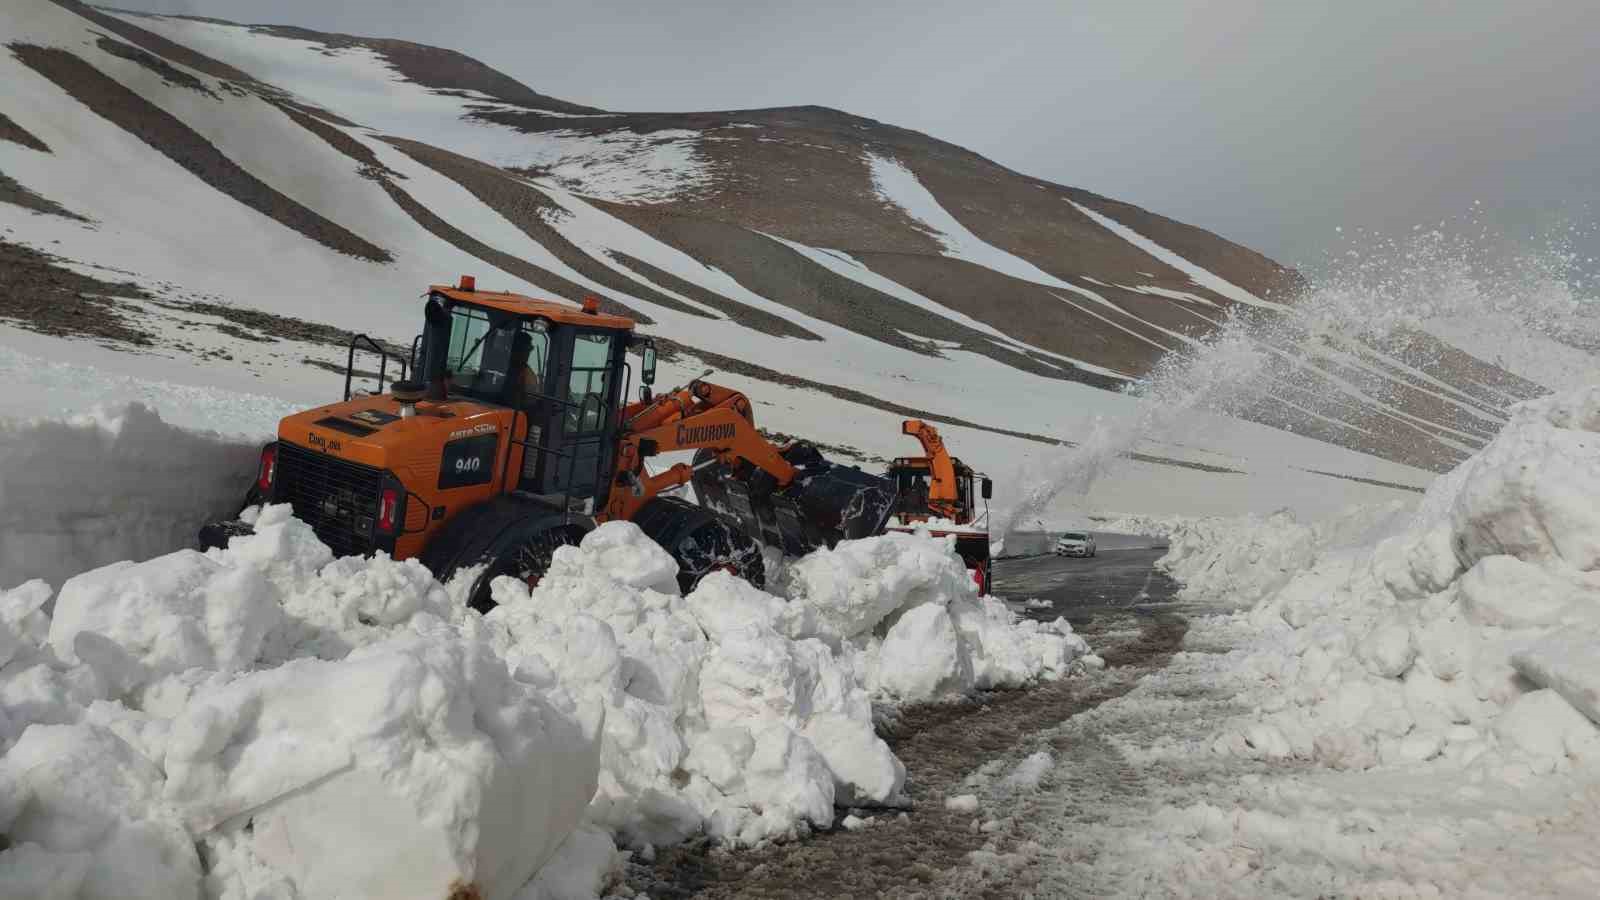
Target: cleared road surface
(1116, 581)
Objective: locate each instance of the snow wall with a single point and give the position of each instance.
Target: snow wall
(109, 486)
(1464, 632)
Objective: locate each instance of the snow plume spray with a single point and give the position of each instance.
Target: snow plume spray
(1445, 315)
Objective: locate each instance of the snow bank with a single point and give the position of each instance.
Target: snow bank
(155, 708)
(747, 715)
(345, 727)
(1393, 639)
(109, 486)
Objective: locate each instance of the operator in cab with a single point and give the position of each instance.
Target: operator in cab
(525, 385)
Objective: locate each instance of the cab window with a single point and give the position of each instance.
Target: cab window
(590, 386)
(494, 357)
(468, 326)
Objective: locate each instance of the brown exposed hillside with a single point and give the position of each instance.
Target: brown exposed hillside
(804, 175)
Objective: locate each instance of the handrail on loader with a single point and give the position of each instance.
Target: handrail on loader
(383, 365)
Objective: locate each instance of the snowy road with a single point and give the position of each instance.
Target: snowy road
(1114, 582)
(966, 748)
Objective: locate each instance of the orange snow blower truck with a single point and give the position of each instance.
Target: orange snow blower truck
(514, 436)
(937, 491)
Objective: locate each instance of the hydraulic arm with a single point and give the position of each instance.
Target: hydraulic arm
(791, 496)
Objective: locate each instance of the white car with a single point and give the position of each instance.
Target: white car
(1075, 543)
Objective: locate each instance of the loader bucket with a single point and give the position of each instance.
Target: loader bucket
(825, 504)
(843, 503)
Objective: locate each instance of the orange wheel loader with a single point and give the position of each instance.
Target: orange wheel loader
(514, 436)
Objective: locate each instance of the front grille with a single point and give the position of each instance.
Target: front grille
(337, 498)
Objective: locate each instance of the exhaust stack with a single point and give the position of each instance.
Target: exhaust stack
(407, 393)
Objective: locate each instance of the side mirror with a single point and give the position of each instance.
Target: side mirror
(647, 368)
(988, 488)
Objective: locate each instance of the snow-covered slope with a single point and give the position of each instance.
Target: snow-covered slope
(845, 272)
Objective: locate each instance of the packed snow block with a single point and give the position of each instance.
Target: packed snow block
(331, 605)
(791, 779)
(616, 549)
(94, 816)
(1412, 566)
(1567, 662)
(171, 613)
(1506, 592)
(922, 657)
(23, 612)
(282, 548)
(1387, 650)
(722, 603)
(1533, 493)
(1006, 650)
(865, 771)
(859, 584)
(411, 768)
(10, 644)
(1029, 773)
(109, 485)
(754, 674)
(581, 869)
(30, 872)
(1542, 723)
(756, 681)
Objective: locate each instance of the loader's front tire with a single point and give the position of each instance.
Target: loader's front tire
(524, 556)
(701, 541)
(506, 536)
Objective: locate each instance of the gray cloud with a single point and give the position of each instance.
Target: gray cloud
(1271, 123)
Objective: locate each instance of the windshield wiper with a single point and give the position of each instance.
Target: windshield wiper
(474, 348)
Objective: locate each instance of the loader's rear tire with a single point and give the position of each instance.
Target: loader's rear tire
(701, 542)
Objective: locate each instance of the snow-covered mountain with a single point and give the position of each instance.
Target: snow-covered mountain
(202, 203)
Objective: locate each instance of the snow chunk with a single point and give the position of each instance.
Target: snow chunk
(94, 806)
(859, 584)
(171, 613)
(865, 770)
(1510, 593)
(962, 803)
(1031, 771)
(582, 868)
(1543, 724)
(418, 762)
(921, 657)
(1387, 650)
(1529, 494)
(1567, 662)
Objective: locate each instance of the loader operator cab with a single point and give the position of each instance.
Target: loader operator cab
(561, 371)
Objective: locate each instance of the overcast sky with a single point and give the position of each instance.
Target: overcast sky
(1269, 122)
